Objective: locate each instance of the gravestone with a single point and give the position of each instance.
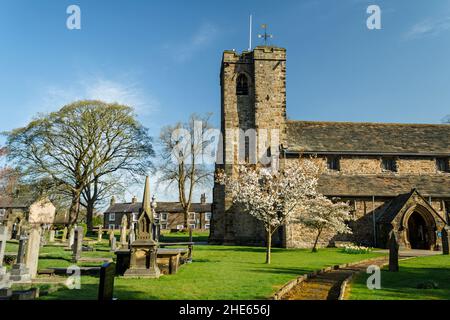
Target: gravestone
(113, 244)
(393, 252)
(43, 241)
(19, 271)
(71, 237)
(32, 251)
(123, 232)
(51, 237)
(111, 237)
(20, 228)
(4, 276)
(143, 251)
(445, 240)
(64, 235)
(132, 235)
(106, 286)
(100, 233)
(77, 246)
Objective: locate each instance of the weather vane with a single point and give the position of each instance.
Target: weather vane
(265, 36)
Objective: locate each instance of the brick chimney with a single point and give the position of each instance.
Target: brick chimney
(203, 198)
(134, 199)
(113, 200)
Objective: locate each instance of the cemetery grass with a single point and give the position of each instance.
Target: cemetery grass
(217, 272)
(402, 285)
(197, 236)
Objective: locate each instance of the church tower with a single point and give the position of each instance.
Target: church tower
(253, 99)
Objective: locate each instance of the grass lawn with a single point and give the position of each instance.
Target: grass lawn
(403, 285)
(197, 236)
(55, 256)
(218, 272)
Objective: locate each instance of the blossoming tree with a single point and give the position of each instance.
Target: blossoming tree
(324, 214)
(271, 196)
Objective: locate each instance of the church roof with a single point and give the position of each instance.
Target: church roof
(368, 138)
(170, 207)
(384, 185)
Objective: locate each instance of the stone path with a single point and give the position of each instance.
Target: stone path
(327, 286)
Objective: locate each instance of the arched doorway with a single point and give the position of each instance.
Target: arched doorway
(418, 232)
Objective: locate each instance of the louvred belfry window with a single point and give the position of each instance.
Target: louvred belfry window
(242, 85)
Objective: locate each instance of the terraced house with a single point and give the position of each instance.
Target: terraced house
(169, 215)
(396, 176)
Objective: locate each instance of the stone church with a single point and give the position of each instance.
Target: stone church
(395, 176)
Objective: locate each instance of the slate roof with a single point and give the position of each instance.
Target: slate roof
(19, 203)
(171, 207)
(384, 185)
(394, 207)
(368, 138)
(397, 204)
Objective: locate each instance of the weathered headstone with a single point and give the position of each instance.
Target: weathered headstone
(19, 271)
(32, 252)
(3, 238)
(64, 235)
(51, 237)
(4, 276)
(111, 237)
(71, 237)
(20, 227)
(106, 286)
(132, 235)
(445, 240)
(100, 233)
(113, 244)
(123, 232)
(393, 252)
(43, 241)
(77, 246)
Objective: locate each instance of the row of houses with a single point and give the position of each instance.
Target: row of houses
(14, 213)
(169, 214)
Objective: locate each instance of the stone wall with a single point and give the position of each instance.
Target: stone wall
(352, 165)
(360, 165)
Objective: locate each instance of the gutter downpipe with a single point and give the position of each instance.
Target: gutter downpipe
(374, 222)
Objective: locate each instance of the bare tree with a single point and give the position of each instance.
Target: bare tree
(181, 158)
(97, 192)
(83, 141)
(446, 119)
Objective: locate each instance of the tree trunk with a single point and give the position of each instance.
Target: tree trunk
(268, 246)
(186, 217)
(89, 215)
(74, 208)
(314, 249)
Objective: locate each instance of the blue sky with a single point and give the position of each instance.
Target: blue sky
(163, 57)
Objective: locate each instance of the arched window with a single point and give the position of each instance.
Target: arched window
(242, 85)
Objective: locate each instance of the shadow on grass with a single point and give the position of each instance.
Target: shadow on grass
(404, 284)
(55, 258)
(290, 271)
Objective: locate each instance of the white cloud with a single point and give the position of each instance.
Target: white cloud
(199, 40)
(428, 28)
(101, 89)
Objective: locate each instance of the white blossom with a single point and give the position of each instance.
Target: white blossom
(271, 196)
